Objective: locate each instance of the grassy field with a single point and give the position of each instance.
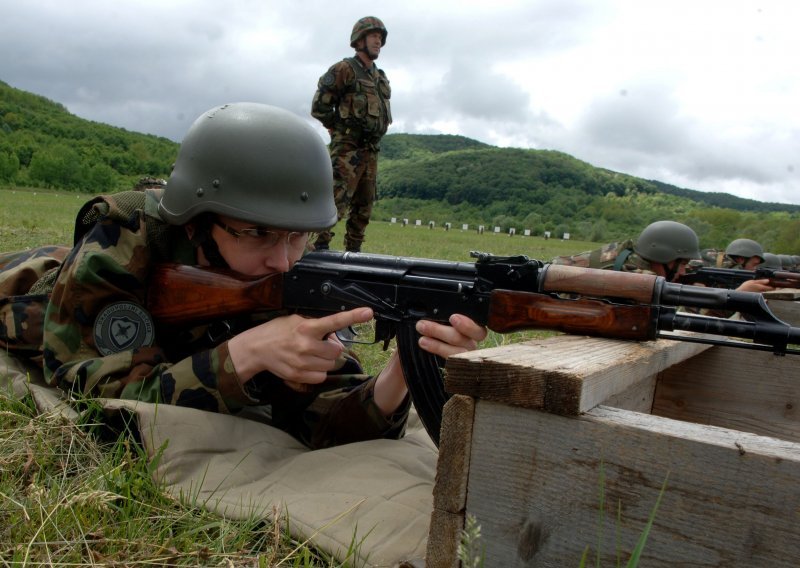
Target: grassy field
(34, 217)
(68, 498)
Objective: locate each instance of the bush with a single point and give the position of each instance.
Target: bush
(9, 166)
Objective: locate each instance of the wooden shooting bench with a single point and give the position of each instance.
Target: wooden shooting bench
(785, 305)
(563, 445)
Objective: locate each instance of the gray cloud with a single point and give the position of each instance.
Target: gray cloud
(512, 73)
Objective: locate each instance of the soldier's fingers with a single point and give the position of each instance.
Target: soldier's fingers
(322, 327)
(467, 326)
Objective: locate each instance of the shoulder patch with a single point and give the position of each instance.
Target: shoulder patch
(123, 326)
(328, 79)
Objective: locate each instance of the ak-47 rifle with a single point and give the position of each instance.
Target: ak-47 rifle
(732, 278)
(503, 293)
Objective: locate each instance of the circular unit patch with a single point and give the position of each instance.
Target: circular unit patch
(122, 326)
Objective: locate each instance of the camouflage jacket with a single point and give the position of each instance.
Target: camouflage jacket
(99, 341)
(613, 256)
(353, 102)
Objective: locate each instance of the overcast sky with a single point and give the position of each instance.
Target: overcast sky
(702, 94)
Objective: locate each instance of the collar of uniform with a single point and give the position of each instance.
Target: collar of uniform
(372, 69)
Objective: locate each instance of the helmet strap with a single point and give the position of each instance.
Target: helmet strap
(202, 239)
(670, 271)
(364, 49)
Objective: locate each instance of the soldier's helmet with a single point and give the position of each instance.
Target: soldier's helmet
(256, 163)
(365, 25)
(745, 248)
(787, 262)
(665, 241)
(770, 261)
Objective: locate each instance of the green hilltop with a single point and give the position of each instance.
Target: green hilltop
(440, 178)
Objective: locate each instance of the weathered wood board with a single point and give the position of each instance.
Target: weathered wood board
(531, 448)
(566, 374)
(752, 391)
(785, 304)
(536, 482)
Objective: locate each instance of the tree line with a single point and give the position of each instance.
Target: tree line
(440, 178)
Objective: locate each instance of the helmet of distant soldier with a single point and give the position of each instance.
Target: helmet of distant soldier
(745, 248)
(786, 261)
(253, 162)
(770, 261)
(366, 25)
(665, 241)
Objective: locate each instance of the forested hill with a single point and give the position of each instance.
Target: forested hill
(456, 168)
(432, 177)
(43, 145)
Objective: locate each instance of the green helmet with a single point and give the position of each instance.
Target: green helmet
(771, 261)
(665, 241)
(786, 261)
(365, 25)
(256, 163)
(745, 248)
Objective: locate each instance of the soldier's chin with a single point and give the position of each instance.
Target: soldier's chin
(373, 55)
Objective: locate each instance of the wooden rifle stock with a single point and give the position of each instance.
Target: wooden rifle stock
(515, 310)
(511, 311)
(186, 295)
(732, 278)
(596, 283)
(784, 279)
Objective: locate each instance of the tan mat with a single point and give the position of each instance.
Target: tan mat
(376, 494)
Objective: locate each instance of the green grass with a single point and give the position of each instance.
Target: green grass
(31, 218)
(67, 498)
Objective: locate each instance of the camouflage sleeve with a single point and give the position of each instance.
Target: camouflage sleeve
(99, 340)
(339, 411)
(330, 88)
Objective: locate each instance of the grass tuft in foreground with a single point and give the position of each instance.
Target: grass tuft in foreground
(69, 499)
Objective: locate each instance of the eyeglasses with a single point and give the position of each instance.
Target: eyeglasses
(260, 238)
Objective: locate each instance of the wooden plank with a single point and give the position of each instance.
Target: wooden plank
(638, 397)
(450, 488)
(783, 294)
(785, 305)
(566, 374)
(535, 484)
(752, 391)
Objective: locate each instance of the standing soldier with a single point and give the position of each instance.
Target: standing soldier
(352, 102)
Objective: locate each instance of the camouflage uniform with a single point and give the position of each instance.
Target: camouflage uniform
(613, 256)
(105, 279)
(352, 102)
(25, 278)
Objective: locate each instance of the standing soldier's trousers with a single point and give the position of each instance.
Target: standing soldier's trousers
(355, 171)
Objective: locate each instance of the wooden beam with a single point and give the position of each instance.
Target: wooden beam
(545, 488)
(565, 374)
(752, 391)
(450, 488)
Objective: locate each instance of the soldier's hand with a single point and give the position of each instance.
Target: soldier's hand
(296, 349)
(463, 334)
(761, 285)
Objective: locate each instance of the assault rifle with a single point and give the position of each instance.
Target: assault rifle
(732, 278)
(504, 293)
